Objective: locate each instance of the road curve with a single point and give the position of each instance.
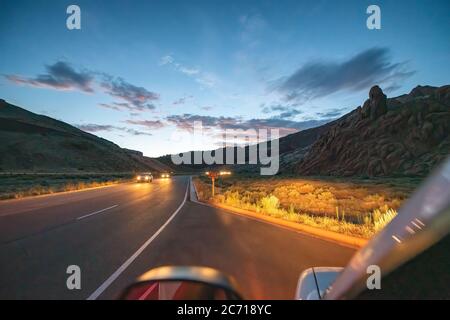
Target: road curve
(116, 233)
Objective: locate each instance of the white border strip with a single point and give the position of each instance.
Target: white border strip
(193, 194)
(130, 260)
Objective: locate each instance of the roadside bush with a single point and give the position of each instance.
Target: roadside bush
(269, 204)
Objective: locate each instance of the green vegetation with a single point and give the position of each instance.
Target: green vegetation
(358, 207)
(18, 185)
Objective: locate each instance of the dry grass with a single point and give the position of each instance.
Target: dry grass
(358, 209)
(40, 190)
(15, 186)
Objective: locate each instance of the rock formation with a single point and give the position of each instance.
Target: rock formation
(376, 105)
(403, 136)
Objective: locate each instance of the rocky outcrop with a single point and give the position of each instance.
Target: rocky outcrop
(376, 105)
(407, 135)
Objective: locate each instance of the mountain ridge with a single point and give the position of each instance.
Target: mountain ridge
(400, 136)
(38, 143)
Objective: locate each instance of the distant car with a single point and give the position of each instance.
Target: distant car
(165, 175)
(144, 177)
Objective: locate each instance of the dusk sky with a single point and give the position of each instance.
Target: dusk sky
(138, 71)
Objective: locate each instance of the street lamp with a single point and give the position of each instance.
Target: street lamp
(213, 175)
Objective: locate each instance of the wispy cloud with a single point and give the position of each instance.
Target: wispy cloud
(110, 106)
(60, 76)
(206, 79)
(150, 124)
(333, 113)
(182, 100)
(189, 71)
(252, 26)
(135, 97)
(166, 60)
(119, 106)
(179, 101)
(285, 111)
(360, 72)
(93, 128)
(137, 132)
(286, 126)
(186, 121)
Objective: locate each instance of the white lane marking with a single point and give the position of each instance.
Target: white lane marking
(130, 260)
(96, 212)
(112, 207)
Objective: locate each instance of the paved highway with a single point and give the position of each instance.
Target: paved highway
(116, 233)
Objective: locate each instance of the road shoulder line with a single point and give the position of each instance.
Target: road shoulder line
(130, 260)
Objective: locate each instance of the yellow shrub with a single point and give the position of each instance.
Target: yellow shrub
(270, 203)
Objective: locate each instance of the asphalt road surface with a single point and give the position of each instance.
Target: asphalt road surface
(116, 233)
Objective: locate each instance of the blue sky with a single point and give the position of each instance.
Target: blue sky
(139, 72)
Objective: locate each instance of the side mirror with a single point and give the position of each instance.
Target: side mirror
(182, 283)
(314, 282)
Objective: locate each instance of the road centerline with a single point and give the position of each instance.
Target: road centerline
(97, 212)
(130, 260)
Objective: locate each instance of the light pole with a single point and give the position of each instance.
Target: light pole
(213, 175)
